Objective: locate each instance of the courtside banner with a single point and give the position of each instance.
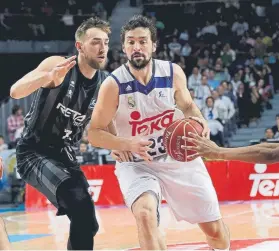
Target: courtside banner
(232, 180)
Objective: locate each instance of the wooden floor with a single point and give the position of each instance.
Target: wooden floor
(253, 226)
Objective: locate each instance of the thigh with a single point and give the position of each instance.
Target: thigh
(46, 174)
(189, 192)
(134, 180)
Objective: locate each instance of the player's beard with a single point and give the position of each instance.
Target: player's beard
(95, 64)
(138, 63)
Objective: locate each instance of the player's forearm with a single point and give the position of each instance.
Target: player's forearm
(29, 84)
(193, 111)
(103, 139)
(262, 153)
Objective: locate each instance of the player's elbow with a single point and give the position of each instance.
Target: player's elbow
(273, 155)
(93, 135)
(14, 92)
(270, 156)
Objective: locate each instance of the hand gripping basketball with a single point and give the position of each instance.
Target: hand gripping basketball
(61, 69)
(175, 135)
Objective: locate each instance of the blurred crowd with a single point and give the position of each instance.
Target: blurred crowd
(48, 19)
(229, 52)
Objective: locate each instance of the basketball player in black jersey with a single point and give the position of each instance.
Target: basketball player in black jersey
(66, 92)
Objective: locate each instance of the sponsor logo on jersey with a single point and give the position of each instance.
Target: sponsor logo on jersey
(128, 88)
(162, 95)
(131, 102)
(266, 184)
(150, 125)
(78, 118)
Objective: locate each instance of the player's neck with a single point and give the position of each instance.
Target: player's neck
(144, 75)
(85, 69)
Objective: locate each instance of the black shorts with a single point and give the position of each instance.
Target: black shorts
(46, 173)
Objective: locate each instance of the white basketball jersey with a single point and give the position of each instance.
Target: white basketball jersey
(146, 110)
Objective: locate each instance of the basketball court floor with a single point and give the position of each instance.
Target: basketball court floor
(253, 226)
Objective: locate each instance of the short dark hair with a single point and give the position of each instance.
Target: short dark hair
(15, 109)
(1, 136)
(139, 21)
(92, 22)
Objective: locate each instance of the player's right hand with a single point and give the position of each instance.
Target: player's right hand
(141, 147)
(61, 69)
(122, 156)
(203, 147)
(1, 168)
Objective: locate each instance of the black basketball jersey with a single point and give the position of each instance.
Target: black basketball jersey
(58, 116)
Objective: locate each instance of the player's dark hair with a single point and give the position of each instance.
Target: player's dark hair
(93, 22)
(139, 21)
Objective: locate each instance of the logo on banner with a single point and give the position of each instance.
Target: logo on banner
(95, 187)
(266, 184)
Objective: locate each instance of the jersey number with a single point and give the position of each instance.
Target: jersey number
(157, 146)
(67, 134)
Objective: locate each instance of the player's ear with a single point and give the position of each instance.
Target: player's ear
(123, 48)
(154, 47)
(78, 45)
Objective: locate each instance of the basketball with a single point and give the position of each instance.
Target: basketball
(173, 141)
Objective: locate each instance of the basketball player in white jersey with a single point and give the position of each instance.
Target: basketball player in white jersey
(142, 98)
(4, 241)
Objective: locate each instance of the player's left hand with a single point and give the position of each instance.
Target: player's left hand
(122, 156)
(203, 147)
(206, 130)
(1, 168)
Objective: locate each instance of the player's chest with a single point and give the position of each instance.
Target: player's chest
(76, 107)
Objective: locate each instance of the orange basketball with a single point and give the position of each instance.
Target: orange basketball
(173, 141)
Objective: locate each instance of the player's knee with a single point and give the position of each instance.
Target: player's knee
(86, 217)
(145, 210)
(79, 207)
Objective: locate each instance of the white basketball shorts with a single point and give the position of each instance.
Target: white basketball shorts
(187, 187)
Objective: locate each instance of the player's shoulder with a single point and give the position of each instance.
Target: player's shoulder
(103, 74)
(163, 68)
(121, 75)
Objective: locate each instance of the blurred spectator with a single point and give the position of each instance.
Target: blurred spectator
(210, 113)
(186, 50)
(100, 10)
(228, 55)
(243, 103)
(208, 29)
(3, 146)
(184, 36)
(82, 147)
(268, 135)
(174, 47)
(275, 128)
(240, 26)
(229, 107)
(202, 92)
(15, 121)
(194, 79)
